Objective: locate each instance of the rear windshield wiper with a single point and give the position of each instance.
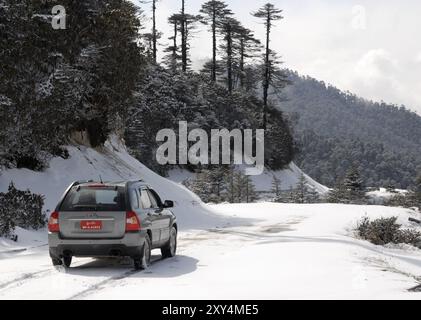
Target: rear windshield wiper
(95, 207)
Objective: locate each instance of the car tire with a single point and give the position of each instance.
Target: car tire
(144, 261)
(67, 261)
(170, 249)
(56, 262)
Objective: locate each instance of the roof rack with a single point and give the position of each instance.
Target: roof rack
(77, 183)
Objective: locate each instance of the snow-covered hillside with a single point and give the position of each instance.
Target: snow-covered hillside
(111, 163)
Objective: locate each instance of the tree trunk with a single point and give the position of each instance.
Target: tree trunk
(242, 53)
(247, 192)
(229, 59)
(266, 81)
(183, 38)
(174, 50)
(214, 45)
(154, 33)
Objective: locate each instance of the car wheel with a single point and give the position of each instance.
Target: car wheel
(170, 250)
(56, 262)
(67, 261)
(143, 262)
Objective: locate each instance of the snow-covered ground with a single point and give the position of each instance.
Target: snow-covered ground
(275, 251)
(255, 251)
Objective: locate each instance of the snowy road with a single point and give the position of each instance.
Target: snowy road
(276, 252)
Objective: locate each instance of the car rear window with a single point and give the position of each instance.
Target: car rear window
(94, 199)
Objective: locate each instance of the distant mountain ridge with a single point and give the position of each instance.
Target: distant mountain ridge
(336, 129)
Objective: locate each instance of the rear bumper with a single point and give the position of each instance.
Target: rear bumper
(130, 246)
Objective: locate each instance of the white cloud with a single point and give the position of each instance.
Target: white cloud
(375, 64)
(377, 76)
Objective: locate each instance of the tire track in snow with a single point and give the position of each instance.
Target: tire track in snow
(415, 289)
(17, 282)
(14, 252)
(103, 284)
(27, 277)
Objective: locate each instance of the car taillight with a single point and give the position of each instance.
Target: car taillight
(53, 223)
(132, 222)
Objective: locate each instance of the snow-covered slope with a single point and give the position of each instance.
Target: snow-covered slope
(112, 163)
(263, 183)
(289, 179)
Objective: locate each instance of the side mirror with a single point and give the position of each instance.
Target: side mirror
(168, 204)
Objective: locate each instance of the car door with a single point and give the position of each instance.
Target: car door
(152, 215)
(163, 217)
(137, 206)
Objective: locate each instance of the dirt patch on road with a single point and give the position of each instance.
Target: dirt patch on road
(277, 229)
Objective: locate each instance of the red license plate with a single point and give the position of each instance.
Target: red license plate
(91, 225)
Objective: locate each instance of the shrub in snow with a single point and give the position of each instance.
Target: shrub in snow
(409, 200)
(223, 184)
(7, 225)
(20, 208)
(386, 230)
(302, 193)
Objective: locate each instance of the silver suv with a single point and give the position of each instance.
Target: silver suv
(122, 219)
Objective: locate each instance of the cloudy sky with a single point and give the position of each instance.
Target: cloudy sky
(369, 47)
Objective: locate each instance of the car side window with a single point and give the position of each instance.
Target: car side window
(153, 200)
(134, 200)
(144, 200)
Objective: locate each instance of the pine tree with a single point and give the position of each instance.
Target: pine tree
(302, 193)
(353, 183)
(172, 58)
(202, 186)
(337, 194)
(230, 28)
(240, 188)
(232, 193)
(299, 192)
(183, 30)
(248, 47)
(276, 186)
(250, 190)
(155, 35)
(312, 196)
(350, 190)
(214, 12)
(187, 24)
(219, 188)
(286, 197)
(269, 13)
